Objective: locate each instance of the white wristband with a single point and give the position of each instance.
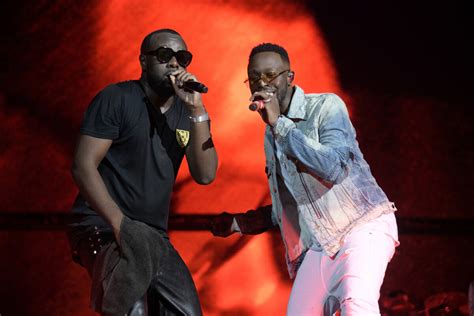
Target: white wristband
(200, 118)
(235, 226)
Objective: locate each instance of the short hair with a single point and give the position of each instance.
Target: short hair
(270, 47)
(147, 41)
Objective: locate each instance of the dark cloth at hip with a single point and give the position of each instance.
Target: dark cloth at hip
(145, 265)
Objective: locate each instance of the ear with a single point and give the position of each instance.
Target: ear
(142, 60)
(291, 77)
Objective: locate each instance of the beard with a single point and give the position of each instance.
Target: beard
(160, 85)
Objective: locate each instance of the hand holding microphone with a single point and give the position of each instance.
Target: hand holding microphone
(195, 86)
(257, 105)
(258, 102)
(266, 103)
(185, 85)
(187, 81)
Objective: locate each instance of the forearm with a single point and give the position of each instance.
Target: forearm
(93, 189)
(328, 163)
(328, 157)
(252, 222)
(201, 153)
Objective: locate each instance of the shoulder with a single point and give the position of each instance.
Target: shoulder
(115, 102)
(108, 96)
(116, 96)
(323, 98)
(326, 102)
(129, 87)
(118, 90)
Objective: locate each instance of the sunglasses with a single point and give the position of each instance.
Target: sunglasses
(265, 77)
(164, 55)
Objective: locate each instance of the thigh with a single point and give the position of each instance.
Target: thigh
(172, 290)
(308, 292)
(89, 246)
(358, 271)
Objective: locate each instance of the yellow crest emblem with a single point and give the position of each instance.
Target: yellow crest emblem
(182, 137)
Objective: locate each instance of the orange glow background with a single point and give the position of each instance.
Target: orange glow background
(241, 275)
(394, 65)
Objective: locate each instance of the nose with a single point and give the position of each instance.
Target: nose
(261, 82)
(258, 86)
(173, 62)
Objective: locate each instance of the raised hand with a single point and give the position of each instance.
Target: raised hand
(192, 99)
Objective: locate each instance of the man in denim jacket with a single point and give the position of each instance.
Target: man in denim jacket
(337, 224)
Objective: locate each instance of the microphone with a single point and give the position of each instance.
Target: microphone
(257, 105)
(258, 102)
(195, 86)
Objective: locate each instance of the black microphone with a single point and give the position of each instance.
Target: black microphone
(257, 105)
(258, 102)
(195, 86)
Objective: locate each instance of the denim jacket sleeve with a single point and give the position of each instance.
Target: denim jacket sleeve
(330, 156)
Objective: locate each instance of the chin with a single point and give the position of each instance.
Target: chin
(162, 88)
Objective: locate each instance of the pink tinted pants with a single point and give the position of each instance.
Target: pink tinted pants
(350, 281)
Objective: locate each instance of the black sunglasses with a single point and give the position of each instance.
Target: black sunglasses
(164, 55)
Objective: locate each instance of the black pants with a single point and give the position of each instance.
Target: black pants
(172, 290)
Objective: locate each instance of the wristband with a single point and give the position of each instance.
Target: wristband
(235, 226)
(200, 118)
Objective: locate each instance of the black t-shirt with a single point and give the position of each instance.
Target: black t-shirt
(140, 167)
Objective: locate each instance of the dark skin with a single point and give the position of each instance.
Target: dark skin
(281, 89)
(162, 83)
(276, 94)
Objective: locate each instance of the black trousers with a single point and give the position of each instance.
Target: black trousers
(172, 290)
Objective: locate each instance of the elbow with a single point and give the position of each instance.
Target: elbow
(204, 175)
(343, 168)
(340, 176)
(205, 180)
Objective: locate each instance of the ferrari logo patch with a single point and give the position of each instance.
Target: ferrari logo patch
(182, 137)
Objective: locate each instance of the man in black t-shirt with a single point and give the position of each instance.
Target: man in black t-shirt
(133, 138)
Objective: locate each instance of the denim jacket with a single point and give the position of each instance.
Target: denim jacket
(320, 184)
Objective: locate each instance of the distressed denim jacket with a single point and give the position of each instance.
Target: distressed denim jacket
(320, 184)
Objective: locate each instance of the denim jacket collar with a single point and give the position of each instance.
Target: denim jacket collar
(297, 105)
(326, 188)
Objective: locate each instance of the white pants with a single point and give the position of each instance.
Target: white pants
(351, 280)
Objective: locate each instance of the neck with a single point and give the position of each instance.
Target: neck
(286, 102)
(161, 102)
